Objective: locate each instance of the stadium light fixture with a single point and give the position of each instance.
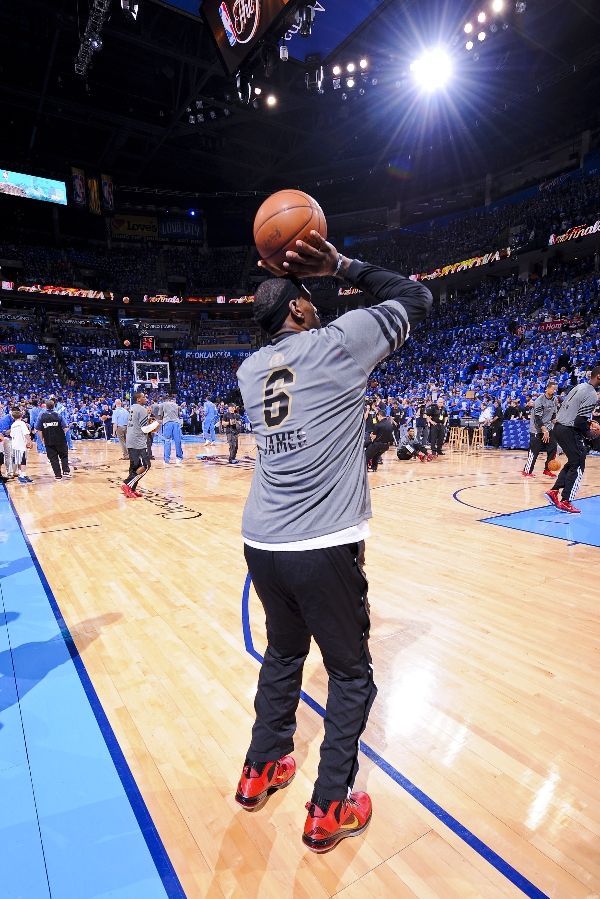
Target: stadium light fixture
(497, 6)
(432, 70)
(271, 100)
(258, 91)
(520, 7)
(351, 67)
(350, 82)
(481, 36)
(468, 28)
(337, 71)
(364, 64)
(469, 45)
(481, 17)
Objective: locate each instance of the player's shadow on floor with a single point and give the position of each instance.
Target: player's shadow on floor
(27, 664)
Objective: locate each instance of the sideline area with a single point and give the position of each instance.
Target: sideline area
(72, 820)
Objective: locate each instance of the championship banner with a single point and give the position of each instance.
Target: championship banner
(79, 192)
(93, 196)
(138, 227)
(108, 202)
(52, 290)
(574, 233)
(464, 266)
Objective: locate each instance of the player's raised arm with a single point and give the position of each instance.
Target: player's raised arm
(369, 334)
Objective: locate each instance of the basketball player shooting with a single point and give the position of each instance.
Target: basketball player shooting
(306, 520)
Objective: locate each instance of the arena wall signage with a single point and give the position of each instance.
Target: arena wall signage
(213, 354)
(464, 266)
(137, 227)
(53, 290)
(181, 229)
(574, 233)
(562, 324)
(25, 348)
(162, 298)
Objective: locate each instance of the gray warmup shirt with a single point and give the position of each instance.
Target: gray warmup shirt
(543, 414)
(135, 437)
(169, 411)
(304, 395)
(579, 404)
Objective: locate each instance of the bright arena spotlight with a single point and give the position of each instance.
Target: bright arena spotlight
(497, 6)
(481, 18)
(432, 70)
(468, 28)
(337, 71)
(481, 36)
(469, 45)
(350, 67)
(364, 63)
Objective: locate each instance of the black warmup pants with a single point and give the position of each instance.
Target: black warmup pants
(139, 463)
(232, 440)
(405, 455)
(537, 446)
(59, 460)
(436, 437)
(374, 451)
(570, 475)
(320, 593)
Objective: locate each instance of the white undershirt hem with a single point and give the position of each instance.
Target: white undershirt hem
(354, 534)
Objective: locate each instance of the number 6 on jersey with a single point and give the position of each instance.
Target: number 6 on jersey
(277, 402)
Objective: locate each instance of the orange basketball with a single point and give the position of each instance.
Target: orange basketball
(284, 218)
(554, 465)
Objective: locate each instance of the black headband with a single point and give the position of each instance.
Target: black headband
(273, 319)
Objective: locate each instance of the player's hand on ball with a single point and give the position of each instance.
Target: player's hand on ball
(594, 429)
(316, 259)
(273, 269)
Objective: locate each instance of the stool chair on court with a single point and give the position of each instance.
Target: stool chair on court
(477, 441)
(458, 440)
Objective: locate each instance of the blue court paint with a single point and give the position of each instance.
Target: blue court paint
(482, 849)
(547, 521)
(94, 828)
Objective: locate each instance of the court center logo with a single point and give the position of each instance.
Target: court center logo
(240, 20)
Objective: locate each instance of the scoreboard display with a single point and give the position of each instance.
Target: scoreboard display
(238, 26)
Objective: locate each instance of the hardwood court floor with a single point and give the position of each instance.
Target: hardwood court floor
(486, 651)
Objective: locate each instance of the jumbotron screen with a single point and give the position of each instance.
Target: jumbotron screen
(237, 26)
(17, 184)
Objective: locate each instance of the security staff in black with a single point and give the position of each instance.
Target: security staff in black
(572, 430)
(306, 519)
(438, 416)
(232, 424)
(382, 437)
(52, 427)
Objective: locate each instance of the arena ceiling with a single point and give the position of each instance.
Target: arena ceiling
(536, 82)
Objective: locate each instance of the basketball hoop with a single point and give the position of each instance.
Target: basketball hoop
(154, 383)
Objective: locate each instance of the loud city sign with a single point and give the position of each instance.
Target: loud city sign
(240, 20)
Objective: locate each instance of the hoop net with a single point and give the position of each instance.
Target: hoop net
(154, 383)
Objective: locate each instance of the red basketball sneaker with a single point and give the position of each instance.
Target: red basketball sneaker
(344, 818)
(136, 493)
(527, 474)
(566, 506)
(552, 496)
(128, 491)
(549, 474)
(260, 779)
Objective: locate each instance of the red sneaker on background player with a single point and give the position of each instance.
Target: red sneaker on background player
(328, 822)
(260, 779)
